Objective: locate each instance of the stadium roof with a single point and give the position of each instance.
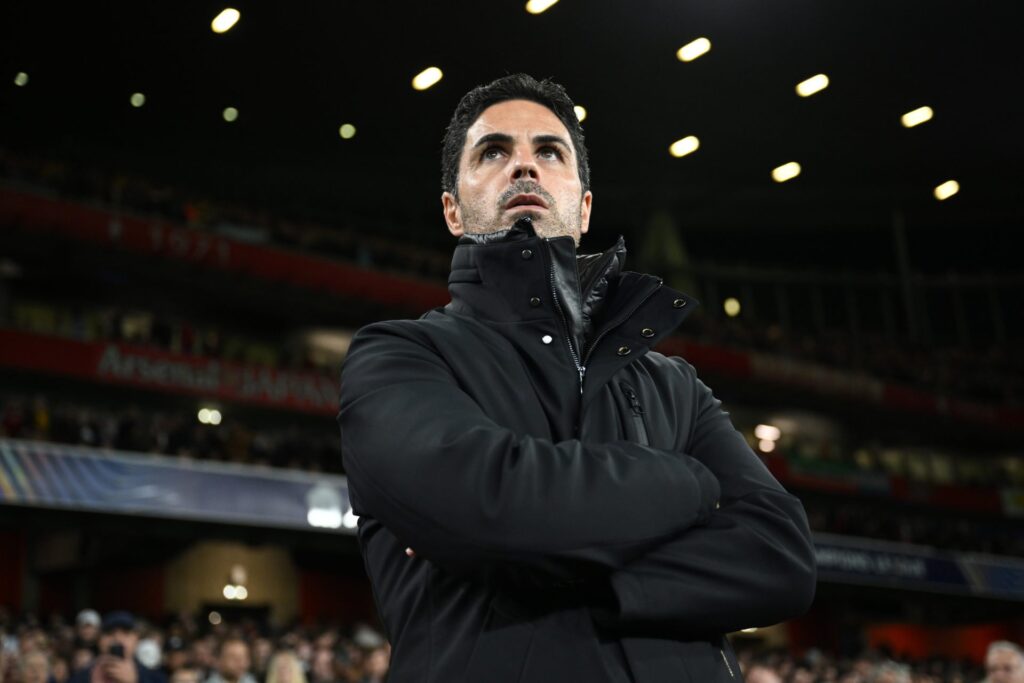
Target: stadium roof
(296, 71)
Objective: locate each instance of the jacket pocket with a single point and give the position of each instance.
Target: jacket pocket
(635, 414)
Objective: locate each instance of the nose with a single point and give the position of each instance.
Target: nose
(524, 167)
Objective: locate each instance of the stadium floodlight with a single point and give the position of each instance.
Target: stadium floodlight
(693, 49)
(230, 114)
(731, 306)
(812, 85)
(225, 21)
(786, 172)
(684, 146)
(538, 6)
(347, 131)
(427, 78)
(137, 99)
(917, 117)
(21, 79)
(581, 113)
(947, 190)
(767, 432)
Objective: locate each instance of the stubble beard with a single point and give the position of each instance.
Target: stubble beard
(479, 219)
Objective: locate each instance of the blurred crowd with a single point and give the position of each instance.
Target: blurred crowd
(179, 434)
(871, 520)
(989, 373)
(118, 648)
(1004, 663)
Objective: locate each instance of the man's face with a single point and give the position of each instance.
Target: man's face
(234, 660)
(518, 161)
(126, 638)
(1004, 666)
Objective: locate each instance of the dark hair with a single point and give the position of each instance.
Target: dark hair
(512, 87)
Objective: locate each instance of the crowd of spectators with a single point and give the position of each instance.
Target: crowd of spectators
(880, 666)
(870, 520)
(121, 649)
(179, 434)
(165, 332)
(992, 374)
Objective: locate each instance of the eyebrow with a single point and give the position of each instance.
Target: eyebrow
(507, 139)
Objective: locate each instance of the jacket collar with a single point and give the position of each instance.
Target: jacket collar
(515, 276)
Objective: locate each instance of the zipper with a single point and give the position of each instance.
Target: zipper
(565, 328)
(638, 414)
(727, 665)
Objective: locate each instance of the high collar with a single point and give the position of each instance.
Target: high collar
(515, 280)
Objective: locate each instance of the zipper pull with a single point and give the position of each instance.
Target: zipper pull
(634, 402)
(582, 371)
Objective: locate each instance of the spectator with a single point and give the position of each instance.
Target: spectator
(285, 667)
(87, 629)
(185, 675)
(232, 663)
(116, 662)
(759, 673)
(1004, 662)
(35, 668)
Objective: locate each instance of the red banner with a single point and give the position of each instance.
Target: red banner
(156, 236)
(162, 371)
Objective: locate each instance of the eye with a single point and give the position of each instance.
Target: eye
(550, 153)
(492, 153)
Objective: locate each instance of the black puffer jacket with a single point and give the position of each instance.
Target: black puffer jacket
(580, 506)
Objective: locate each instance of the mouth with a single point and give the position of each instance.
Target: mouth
(526, 201)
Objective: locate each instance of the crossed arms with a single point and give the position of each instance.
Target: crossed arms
(469, 494)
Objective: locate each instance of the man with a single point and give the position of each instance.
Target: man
(541, 497)
(1004, 663)
(116, 662)
(232, 663)
(87, 629)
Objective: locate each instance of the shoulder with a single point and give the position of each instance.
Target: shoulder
(671, 368)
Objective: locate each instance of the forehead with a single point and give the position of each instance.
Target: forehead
(518, 118)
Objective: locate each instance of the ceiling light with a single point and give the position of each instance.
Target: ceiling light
(347, 131)
(687, 145)
(581, 113)
(138, 99)
(227, 18)
(786, 172)
(917, 117)
(766, 446)
(694, 49)
(767, 432)
(426, 78)
(21, 79)
(538, 6)
(731, 306)
(947, 190)
(812, 85)
(230, 114)
(204, 415)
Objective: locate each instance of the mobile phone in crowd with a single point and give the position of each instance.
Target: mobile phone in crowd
(116, 650)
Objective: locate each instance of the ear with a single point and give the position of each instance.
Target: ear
(452, 214)
(588, 198)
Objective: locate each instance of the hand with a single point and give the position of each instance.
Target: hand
(117, 670)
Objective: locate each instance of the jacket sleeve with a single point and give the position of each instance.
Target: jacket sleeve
(752, 564)
(467, 494)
